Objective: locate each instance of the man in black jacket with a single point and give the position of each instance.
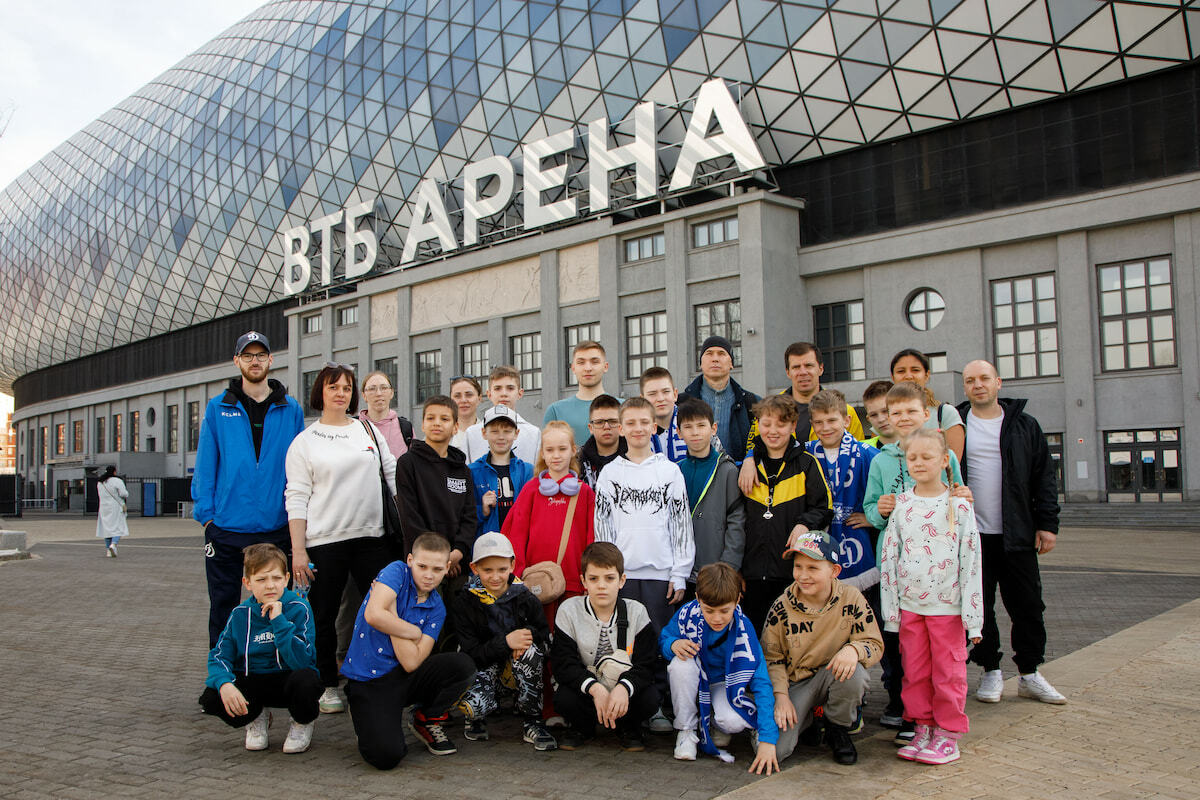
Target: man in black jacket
(1007, 465)
(731, 404)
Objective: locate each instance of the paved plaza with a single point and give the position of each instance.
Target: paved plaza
(103, 660)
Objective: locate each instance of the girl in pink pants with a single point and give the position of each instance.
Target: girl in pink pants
(931, 591)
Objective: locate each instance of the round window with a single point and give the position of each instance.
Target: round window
(924, 309)
(151, 416)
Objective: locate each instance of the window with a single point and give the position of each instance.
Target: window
(1054, 441)
(116, 433)
(346, 315)
(573, 335)
(193, 438)
(77, 436)
(645, 342)
(924, 309)
(135, 431)
(100, 434)
(473, 360)
(311, 324)
(720, 319)
(1137, 320)
(309, 379)
(938, 362)
(429, 374)
(44, 443)
(717, 231)
(642, 247)
(526, 351)
(60, 439)
(172, 429)
(388, 367)
(838, 329)
(1025, 327)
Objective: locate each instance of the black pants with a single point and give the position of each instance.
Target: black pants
(296, 691)
(223, 568)
(579, 709)
(653, 595)
(760, 594)
(893, 670)
(377, 706)
(1020, 582)
(360, 559)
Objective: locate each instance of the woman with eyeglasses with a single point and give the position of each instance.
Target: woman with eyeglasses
(467, 393)
(335, 510)
(378, 393)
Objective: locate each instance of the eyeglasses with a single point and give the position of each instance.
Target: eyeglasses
(251, 357)
(605, 423)
(377, 389)
(338, 365)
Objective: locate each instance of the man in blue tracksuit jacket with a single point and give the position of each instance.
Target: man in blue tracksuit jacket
(238, 481)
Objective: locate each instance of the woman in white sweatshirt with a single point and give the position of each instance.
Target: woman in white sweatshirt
(335, 509)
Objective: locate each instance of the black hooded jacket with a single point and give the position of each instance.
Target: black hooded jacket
(436, 495)
(1028, 491)
(592, 462)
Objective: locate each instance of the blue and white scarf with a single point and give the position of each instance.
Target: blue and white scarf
(675, 448)
(847, 479)
(739, 669)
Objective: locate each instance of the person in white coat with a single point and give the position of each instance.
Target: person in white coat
(110, 524)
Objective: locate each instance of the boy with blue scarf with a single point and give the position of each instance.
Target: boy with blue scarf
(719, 680)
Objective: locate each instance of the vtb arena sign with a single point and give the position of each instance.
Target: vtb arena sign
(489, 187)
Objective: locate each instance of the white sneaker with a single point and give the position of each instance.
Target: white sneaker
(299, 737)
(331, 702)
(659, 723)
(719, 737)
(1035, 687)
(556, 721)
(256, 731)
(111, 551)
(685, 745)
(991, 686)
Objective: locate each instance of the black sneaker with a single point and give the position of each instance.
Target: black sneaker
(476, 730)
(838, 739)
(537, 735)
(429, 731)
(631, 741)
(905, 734)
(571, 739)
(814, 734)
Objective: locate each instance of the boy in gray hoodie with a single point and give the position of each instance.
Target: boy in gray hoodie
(717, 508)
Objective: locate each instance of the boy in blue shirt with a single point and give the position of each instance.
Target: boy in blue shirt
(265, 656)
(719, 680)
(498, 474)
(389, 667)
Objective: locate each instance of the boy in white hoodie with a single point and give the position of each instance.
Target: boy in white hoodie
(642, 508)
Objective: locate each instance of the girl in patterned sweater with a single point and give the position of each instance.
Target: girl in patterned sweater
(931, 592)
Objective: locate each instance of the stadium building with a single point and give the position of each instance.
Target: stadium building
(433, 188)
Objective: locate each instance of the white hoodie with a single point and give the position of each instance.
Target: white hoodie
(529, 441)
(643, 510)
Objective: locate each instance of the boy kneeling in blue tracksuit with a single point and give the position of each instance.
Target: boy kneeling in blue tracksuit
(265, 657)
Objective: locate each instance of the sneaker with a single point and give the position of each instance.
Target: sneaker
(476, 730)
(719, 737)
(921, 735)
(659, 723)
(1035, 687)
(256, 731)
(857, 725)
(840, 745)
(893, 715)
(991, 686)
(685, 745)
(538, 736)
(941, 749)
(571, 739)
(112, 551)
(331, 702)
(429, 731)
(905, 734)
(556, 721)
(631, 741)
(299, 737)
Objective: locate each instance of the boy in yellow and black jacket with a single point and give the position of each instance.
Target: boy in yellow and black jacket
(791, 494)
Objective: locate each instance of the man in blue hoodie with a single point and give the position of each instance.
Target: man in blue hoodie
(238, 481)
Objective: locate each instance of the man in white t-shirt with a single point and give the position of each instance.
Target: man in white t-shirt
(1007, 464)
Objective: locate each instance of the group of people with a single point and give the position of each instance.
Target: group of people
(706, 562)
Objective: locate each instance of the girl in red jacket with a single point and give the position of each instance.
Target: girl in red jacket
(535, 523)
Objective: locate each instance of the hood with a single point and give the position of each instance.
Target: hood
(1012, 406)
(483, 459)
(423, 451)
(794, 453)
(590, 451)
(234, 393)
(475, 587)
(649, 463)
(365, 417)
(288, 596)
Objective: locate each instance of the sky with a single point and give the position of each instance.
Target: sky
(64, 63)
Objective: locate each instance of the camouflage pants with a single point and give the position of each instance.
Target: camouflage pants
(521, 676)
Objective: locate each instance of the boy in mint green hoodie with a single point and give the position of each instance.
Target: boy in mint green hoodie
(265, 657)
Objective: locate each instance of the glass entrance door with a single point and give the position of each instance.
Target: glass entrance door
(1143, 466)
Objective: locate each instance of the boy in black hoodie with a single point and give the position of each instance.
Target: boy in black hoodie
(606, 441)
(501, 624)
(435, 494)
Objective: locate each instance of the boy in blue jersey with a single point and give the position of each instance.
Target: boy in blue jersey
(719, 679)
(238, 480)
(389, 665)
(265, 657)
